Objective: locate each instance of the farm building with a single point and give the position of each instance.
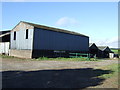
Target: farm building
(30, 40)
(104, 52)
(4, 42)
(5, 36)
(93, 49)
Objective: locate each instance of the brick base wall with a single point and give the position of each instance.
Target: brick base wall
(21, 53)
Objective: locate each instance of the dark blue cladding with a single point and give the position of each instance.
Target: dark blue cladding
(51, 40)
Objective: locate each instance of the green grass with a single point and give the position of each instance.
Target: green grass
(66, 59)
(56, 59)
(5, 56)
(111, 78)
(114, 68)
(52, 59)
(115, 51)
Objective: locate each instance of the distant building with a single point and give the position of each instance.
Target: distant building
(4, 42)
(30, 40)
(104, 52)
(5, 36)
(93, 50)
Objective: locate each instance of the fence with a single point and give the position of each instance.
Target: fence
(80, 55)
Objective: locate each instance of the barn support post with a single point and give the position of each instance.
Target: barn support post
(88, 56)
(76, 55)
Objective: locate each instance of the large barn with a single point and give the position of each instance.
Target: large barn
(30, 40)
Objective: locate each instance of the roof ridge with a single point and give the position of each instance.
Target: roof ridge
(54, 28)
(102, 47)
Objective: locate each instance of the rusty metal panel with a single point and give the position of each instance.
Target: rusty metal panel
(51, 40)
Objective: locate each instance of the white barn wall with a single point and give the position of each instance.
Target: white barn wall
(4, 47)
(21, 42)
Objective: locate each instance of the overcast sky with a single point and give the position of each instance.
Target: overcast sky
(98, 20)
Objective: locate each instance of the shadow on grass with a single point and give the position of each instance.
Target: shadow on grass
(65, 78)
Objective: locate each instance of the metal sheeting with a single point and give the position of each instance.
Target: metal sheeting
(4, 48)
(40, 39)
(51, 40)
(21, 42)
(54, 29)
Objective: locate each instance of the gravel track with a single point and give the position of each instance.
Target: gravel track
(31, 65)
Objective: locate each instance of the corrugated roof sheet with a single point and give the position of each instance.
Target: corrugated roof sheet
(90, 44)
(102, 47)
(2, 35)
(105, 48)
(3, 32)
(54, 29)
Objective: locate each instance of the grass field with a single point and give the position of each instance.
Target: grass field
(112, 79)
(116, 51)
(68, 59)
(55, 59)
(114, 68)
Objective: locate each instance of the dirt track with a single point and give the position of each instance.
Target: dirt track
(53, 74)
(28, 65)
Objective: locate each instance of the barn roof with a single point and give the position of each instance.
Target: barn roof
(54, 29)
(4, 33)
(93, 46)
(105, 48)
(90, 44)
(102, 47)
(5, 36)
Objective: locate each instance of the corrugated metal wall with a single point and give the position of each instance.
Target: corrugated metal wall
(46, 40)
(21, 42)
(4, 47)
(50, 40)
